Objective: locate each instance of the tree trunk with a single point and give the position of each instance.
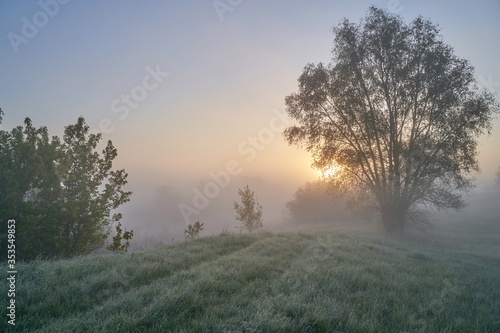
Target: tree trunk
(393, 220)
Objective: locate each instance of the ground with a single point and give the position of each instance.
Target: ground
(320, 280)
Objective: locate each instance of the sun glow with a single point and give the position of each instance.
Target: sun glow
(333, 171)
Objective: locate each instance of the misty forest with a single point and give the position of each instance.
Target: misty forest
(369, 203)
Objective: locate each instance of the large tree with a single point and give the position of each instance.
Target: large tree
(61, 193)
(398, 111)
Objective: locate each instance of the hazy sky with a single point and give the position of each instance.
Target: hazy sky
(183, 88)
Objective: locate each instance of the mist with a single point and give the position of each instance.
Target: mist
(156, 218)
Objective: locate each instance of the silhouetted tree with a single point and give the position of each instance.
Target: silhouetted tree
(398, 111)
(316, 203)
(250, 211)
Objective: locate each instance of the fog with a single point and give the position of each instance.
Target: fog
(155, 216)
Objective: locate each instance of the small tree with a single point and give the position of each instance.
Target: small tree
(117, 245)
(250, 211)
(193, 231)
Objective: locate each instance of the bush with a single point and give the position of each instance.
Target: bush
(193, 231)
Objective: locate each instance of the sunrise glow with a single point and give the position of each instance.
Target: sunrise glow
(333, 171)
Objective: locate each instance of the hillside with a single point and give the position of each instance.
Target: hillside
(317, 281)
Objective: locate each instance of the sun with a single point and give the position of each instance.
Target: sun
(333, 171)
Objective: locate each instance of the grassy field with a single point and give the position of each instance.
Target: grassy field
(315, 281)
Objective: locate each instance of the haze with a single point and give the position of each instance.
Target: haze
(206, 91)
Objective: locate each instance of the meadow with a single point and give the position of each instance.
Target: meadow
(320, 280)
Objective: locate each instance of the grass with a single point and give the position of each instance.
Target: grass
(317, 281)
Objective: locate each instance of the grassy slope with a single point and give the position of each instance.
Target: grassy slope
(294, 282)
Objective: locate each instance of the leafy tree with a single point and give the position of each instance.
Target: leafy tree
(30, 189)
(250, 211)
(193, 231)
(91, 190)
(117, 245)
(61, 194)
(398, 111)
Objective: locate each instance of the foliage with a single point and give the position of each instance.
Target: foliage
(398, 112)
(316, 203)
(117, 245)
(250, 211)
(30, 190)
(193, 231)
(61, 194)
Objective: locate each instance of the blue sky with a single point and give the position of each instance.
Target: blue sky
(224, 76)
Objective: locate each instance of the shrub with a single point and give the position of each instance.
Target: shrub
(193, 231)
(117, 245)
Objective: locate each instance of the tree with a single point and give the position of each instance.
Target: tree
(193, 231)
(250, 211)
(91, 190)
(398, 111)
(316, 203)
(30, 189)
(61, 194)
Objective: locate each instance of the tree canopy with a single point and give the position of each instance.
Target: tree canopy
(61, 193)
(398, 111)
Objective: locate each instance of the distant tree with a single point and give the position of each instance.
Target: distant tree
(250, 211)
(398, 111)
(117, 245)
(61, 194)
(193, 231)
(316, 203)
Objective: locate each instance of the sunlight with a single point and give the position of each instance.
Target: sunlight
(333, 171)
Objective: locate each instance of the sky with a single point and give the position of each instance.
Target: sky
(192, 92)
